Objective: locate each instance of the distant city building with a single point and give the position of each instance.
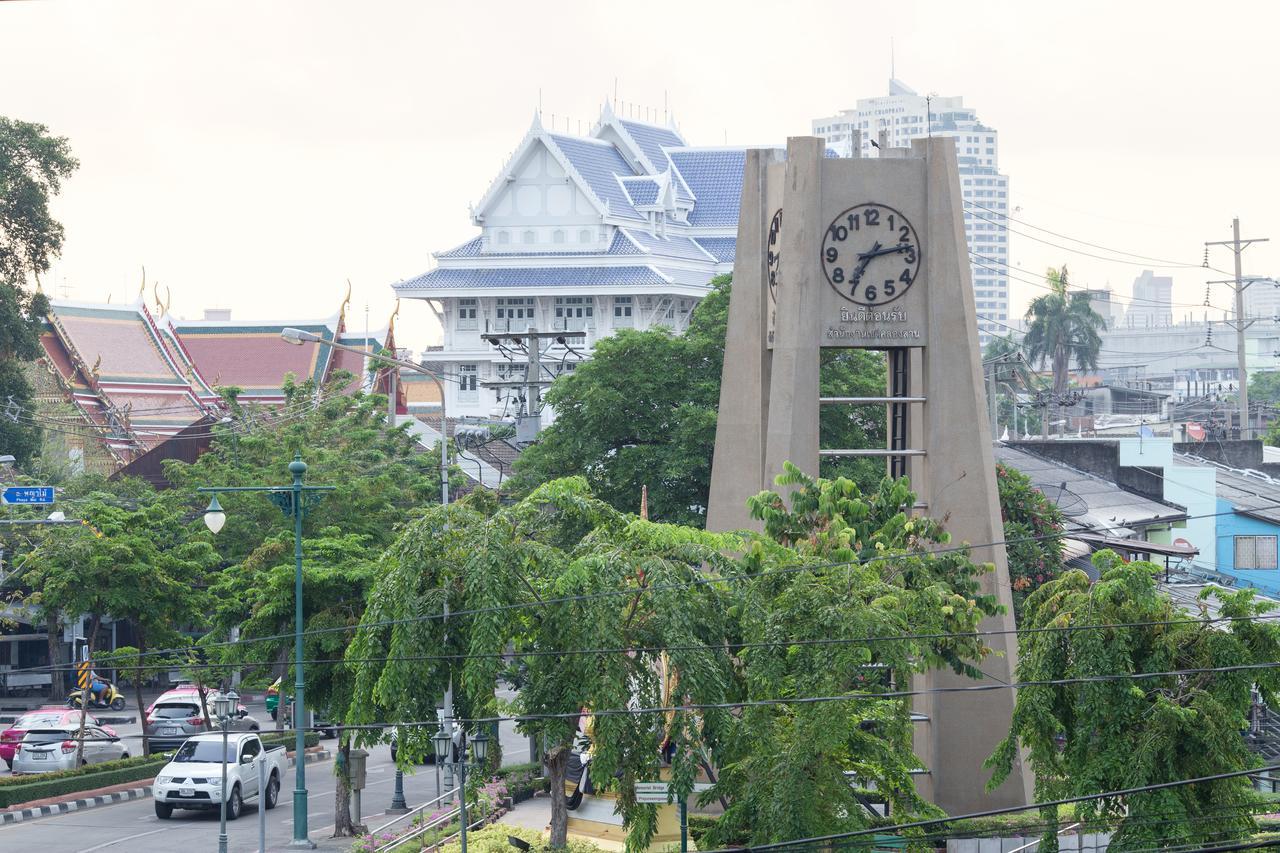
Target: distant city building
(1102, 300)
(620, 229)
(904, 115)
(1151, 304)
(1262, 297)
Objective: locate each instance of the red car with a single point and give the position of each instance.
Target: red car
(50, 717)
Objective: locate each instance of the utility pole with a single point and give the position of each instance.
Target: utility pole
(1239, 284)
(529, 417)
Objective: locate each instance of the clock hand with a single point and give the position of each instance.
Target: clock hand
(863, 260)
(876, 251)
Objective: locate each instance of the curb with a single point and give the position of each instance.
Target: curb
(111, 799)
(74, 805)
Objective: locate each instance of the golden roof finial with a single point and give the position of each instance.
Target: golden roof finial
(391, 324)
(342, 312)
(142, 290)
(94, 370)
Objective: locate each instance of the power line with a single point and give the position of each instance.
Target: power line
(1123, 792)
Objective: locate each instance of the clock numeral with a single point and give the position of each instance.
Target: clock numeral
(889, 289)
(870, 293)
(905, 278)
(910, 253)
(832, 254)
(839, 233)
(855, 221)
(891, 225)
(873, 216)
(904, 233)
(837, 275)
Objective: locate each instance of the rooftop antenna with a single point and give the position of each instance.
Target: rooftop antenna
(664, 106)
(892, 74)
(615, 91)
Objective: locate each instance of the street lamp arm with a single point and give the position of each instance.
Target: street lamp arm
(300, 336)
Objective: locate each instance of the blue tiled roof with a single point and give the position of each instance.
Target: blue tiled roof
(652, 140)
(535, 277)
(715, 176)
(469, 249)
(671, 247)
(723, 248)
(641, 190)
(600, 165)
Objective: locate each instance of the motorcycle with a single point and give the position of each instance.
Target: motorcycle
(110, 698)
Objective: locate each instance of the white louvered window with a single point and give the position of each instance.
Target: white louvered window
(1255, 552)
(622, 311)
(514, 313)
(467, 315)
(468, 383)
(573, 313)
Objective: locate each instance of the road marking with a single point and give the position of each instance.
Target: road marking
(119, 840)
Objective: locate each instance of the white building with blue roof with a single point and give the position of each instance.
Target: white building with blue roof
(623, 228)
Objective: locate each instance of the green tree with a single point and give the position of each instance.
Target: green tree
(138, 559)
(1062, 327)
(642, 412)
(1106, 735)
(33, 165)
(562, 572)
(1031, 527)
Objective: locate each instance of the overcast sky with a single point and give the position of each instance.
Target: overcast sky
(255, 155)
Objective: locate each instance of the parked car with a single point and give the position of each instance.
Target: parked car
(182, 691)
(47, 750)
(193, 778)
(50, 717)
(172, 722)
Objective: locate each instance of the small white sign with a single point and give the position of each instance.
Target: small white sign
(651, 792)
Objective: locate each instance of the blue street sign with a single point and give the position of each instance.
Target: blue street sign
(30, 495)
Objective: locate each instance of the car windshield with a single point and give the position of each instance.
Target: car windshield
(38, 721)
(204, 751)
(175, 712)
(47, 736)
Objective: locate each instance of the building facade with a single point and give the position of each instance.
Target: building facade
(904, 115)
(621, 229)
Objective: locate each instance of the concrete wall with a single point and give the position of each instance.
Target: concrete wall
(1194, 488)
(1231, 525)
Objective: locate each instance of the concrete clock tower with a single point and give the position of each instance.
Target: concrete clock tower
(871, 253)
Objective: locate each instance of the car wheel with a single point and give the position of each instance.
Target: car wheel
(253, 728)
(124, 755)
(273, 792)
(117, 704)
(164, 811)
(234, 804)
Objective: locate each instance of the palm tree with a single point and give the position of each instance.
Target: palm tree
(1063, 327)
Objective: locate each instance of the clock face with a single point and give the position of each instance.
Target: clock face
(774, 248)
(871, 254)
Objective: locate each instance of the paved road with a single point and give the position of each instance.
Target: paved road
(133, 826)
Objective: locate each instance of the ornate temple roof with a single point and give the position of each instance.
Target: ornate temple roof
(137, 380)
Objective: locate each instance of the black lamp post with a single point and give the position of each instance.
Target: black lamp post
(480, 745)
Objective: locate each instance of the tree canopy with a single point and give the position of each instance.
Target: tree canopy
(1110, 735)
(563, 583)
(1062, 328)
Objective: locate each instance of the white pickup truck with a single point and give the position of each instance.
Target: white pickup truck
(193, 778)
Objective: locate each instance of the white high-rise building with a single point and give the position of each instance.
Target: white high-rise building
(1152, 302)
(904, 115)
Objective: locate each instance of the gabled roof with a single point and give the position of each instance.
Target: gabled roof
(672, 247)
(723, 249)
(619, 245)
(253, 356)
(714, 175)
(600, 164)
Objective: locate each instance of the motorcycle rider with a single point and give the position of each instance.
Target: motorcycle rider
(97, 688)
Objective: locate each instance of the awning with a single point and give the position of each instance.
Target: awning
(1137, 546)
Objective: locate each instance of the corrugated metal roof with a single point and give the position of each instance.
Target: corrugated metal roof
(1107, 503)
(1249, 492)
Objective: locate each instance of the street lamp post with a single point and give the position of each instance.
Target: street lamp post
(398, 804)
(224, 705)
(297, 337)
(443, 743)
(293, 500)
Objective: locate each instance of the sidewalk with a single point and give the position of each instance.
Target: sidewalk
(533, 813)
